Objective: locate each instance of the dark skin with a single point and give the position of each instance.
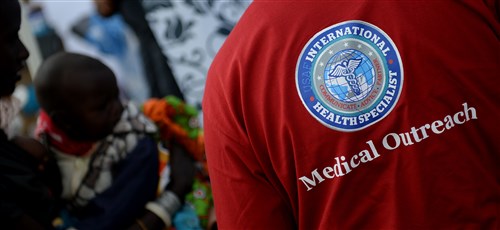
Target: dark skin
(13, 53)
(81, 96)
(106, 8)
(35, 148)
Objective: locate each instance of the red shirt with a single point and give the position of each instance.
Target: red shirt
(312, 123)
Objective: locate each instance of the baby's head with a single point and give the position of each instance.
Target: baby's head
(80, 95)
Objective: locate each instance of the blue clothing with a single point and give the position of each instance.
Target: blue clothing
(135, 183)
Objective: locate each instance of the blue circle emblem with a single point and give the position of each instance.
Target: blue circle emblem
(349, 75)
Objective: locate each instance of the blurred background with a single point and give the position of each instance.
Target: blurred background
(155, 48)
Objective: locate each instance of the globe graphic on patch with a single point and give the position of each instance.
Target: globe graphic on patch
(349, 76)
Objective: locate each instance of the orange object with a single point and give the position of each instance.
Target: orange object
(164, 115)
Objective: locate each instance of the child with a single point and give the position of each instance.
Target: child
(105, 149)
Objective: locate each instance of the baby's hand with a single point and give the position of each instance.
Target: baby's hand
(34, 148)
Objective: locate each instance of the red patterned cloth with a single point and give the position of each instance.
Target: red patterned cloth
(58, 139)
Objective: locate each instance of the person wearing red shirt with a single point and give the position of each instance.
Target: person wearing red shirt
(357, 115)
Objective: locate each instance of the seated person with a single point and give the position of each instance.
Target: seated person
(29, 183)
(105, 149)
(26, 201)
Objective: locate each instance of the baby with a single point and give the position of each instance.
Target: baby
(105, 149)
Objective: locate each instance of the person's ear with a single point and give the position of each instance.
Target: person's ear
(62, 120)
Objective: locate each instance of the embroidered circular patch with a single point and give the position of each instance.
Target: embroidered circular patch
(349, 75)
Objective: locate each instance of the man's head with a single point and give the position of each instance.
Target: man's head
(80, 94)
(12, 50)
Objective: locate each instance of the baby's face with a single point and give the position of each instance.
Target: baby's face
(96, 110)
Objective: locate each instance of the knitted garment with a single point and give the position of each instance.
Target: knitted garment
(132, 127)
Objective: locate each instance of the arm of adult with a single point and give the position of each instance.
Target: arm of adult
(243, 196)
(183, 171)
(25, 201)
(159, 212)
